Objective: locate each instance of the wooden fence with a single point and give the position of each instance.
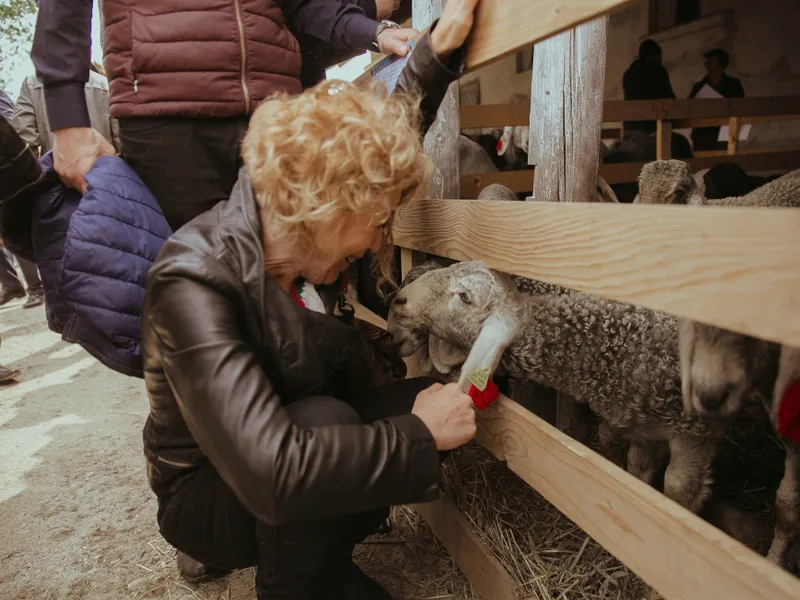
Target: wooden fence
(734, 268)
(668, 115)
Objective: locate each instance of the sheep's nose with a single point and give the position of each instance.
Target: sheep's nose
(400, 300)
(711, 400)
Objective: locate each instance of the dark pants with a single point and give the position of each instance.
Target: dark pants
(205, 520)
(9, 278)
(188, 164)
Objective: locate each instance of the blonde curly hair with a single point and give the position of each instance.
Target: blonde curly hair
(334, 150)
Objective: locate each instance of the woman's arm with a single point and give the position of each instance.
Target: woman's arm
(438, 59)
(278, 471)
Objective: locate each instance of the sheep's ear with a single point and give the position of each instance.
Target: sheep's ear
(505, 141)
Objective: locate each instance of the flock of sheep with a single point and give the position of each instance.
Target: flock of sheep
(666, 388)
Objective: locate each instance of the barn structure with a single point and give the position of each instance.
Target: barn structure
(733, 268)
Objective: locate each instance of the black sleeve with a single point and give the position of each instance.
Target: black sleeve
(668, 92)
(737, 89)
(696, 88)
(342, 25)
(61, 54)
(279, 471)
(429, 76)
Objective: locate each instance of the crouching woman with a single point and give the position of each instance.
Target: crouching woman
(267, 442)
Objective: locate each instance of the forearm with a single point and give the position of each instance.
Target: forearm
(342, 25)
(61, 55)
(429, 76)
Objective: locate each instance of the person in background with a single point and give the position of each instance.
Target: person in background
(30, 114)
(183, 104)
(716, 61)
(10, 283)
(646, 79)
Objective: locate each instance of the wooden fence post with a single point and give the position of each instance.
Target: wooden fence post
(663, 139)
(733, 135)
(566, 120)
(441, 143)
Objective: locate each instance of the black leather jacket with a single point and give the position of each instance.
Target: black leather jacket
(225, 350)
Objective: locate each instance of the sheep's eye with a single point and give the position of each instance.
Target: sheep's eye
(464, 297)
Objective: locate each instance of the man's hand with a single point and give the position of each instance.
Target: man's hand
(74, 152)
(453, 27)
(385, 8)
(395, 41)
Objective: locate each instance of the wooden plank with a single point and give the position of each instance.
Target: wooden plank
(737, 268)
(487, 116)
(758, 110)
(441, 142)
(663, 140)
(641, 110)
(733, 135)
(504, 26)
(680, 555)
(517, 181)
(485, 573)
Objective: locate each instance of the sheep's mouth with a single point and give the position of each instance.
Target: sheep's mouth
(406, 343)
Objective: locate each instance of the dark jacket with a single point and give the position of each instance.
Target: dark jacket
(201, 59)
(226, 349)
(706, 138)
(93, 252)
(645, 79)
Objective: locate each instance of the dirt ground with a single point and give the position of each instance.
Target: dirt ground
(77, 518)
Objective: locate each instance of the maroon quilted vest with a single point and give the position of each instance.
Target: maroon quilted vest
(196, 58)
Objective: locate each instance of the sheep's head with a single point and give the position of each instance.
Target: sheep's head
(668, 182)
(720, 369)
(449, 303)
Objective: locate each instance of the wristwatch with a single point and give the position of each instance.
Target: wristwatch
(382, 26)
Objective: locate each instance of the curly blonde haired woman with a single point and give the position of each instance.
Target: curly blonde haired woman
(267, 443)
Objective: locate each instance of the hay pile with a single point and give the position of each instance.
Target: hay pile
(547, 554)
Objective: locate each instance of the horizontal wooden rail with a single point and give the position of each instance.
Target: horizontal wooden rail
(684, 113)
(504, 26)
(737, 268)
(679, 554)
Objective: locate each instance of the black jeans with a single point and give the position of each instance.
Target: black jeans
(205, 520)
(189, 164)
(9, 278)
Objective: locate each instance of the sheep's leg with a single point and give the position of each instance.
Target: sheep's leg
(611, 444)
(688, 477)
(645, 459)
(787, 511)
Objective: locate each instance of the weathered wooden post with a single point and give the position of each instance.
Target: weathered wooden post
(568, 78)
(441, 143)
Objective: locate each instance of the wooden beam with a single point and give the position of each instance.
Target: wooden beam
(663, 140)
(680, 555)
(410, 259)
(643, 110)
(733, 135)
(485, 573)
(504, 26)
(683, 113)
(737, 268)
(441, 142)
(517, 181)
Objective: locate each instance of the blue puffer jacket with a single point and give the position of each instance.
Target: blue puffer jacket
(93, 254)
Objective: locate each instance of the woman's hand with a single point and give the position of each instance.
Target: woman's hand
(453, 27)
(447, 412)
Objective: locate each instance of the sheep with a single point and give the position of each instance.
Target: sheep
(620, 360)
(497, 192)
(720, 369)
(472, 158)
(672, 182)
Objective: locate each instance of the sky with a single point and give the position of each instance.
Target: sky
(23, 66)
